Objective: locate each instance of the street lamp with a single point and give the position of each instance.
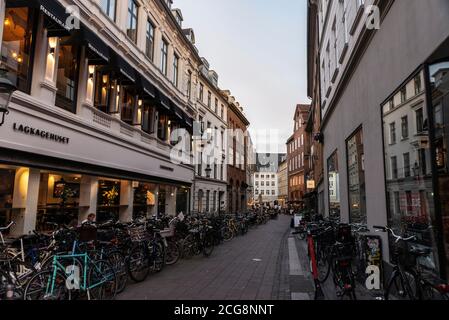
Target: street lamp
(6, 91)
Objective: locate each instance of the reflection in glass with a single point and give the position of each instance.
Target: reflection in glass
(408, 169)
(334, 187)
(17, 47)
(439, 83)
(356, 178)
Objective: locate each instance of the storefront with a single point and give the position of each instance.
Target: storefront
(86, 132)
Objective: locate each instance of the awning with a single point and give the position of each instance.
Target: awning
(123, 68)
(147, 89)
(164, 101)
(57, 17)
(176, 111)
(98, 52)
(188, 121)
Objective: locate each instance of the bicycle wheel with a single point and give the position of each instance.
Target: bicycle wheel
(138, 263)
(173, 252)
(228, 235)
(42, 287)
(402, 286)
(343, 279)
(158, 257)
(117, 260)
(188, 244)
(430, 292)
(208, 245)
(101, 281)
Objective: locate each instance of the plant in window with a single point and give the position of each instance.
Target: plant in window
(111, 196)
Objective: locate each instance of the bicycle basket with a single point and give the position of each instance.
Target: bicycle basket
(168, 232)
(138, 233)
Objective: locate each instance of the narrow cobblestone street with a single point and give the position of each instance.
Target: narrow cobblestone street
(255, 266)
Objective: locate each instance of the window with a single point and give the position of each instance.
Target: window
(67, 75)
(273, 192)
(175, 70)
(403, 94)
(164, 56)
(356, 178)
(108, 7)
(162, 128)
(216, 106)
(103, 91)
(209, 99)
(418, 84)
(406, 165)
(207, 201)
(333, 186)
(419, 120)
(201, 92)
(189, 85)
(149, 49)
(392, 133)
(404, 126)
(394, 167)
(148, 119)
(222, 112)
(127, 106)
(131, 28)
(17, 46)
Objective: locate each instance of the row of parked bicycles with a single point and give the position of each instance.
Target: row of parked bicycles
(97, 261)
(337, 252)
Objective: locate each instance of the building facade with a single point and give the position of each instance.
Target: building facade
(210, 145)
(283, 183)
(104, 112)
(385, 142)
(296, 156)
(237, 156)
(266, 178)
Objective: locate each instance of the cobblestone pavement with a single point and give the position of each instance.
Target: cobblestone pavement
(269, 263)
(252, 267)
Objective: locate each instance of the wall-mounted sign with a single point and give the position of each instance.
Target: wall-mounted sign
(40, 133)
(310, 184)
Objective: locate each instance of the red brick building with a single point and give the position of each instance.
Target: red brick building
(237, 156)
(297, 150)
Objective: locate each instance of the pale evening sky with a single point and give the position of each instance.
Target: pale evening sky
(258, 49)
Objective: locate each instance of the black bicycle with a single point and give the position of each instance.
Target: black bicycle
(408, 280)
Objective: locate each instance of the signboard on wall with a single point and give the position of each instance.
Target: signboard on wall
(310, 184)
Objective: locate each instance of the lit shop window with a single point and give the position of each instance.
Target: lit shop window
(17, 46)
(67, 74)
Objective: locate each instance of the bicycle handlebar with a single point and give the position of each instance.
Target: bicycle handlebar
(397, 237)
(8, 226)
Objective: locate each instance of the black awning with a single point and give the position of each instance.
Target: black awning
(56, 15)
(164, 101)
(98, 52)
(125, 71)
(176, 111)
(147, 89)
(188, 121)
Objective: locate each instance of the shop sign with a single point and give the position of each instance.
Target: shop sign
(40, 133)
(310, 184)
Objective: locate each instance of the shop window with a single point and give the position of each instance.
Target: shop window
(58, 200)
(103, 90)
(410, 209)
(162, 128)
(144, 200)
(108, 200)
(18, 46)
(161, 201)
(148, 118)
(127, 106)
(6, 195)
(334, 187)
(182, 200)
(67, 75)
(356, 178)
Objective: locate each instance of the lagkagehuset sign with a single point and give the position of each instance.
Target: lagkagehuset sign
(40, 133)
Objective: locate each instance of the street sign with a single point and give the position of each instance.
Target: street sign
(310, 184)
